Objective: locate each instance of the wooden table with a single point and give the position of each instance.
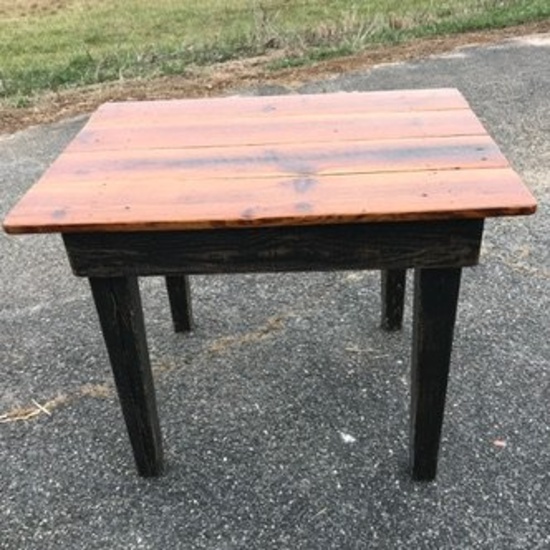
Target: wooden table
(381, 180)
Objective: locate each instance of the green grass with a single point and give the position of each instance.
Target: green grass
(54, 44)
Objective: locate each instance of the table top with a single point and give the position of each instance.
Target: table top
(267, 161)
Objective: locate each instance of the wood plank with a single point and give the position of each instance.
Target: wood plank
(393, 298)
(280, 106)
(378, 197)
(181, 132)
(271, 249)
(334, 169)
(119, 309)
(179, 297)
(298, 160)
(435, 303)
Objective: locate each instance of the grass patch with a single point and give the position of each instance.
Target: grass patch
(55, 44)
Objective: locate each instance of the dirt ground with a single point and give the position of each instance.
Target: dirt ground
(218, 79)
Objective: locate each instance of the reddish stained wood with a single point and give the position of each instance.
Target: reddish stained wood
(292, 160)
(367, 179)
(125, 206)
(269, 107)
(196, 133)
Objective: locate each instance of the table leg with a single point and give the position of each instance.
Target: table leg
(118, 305)
(393, 297)
(435, 301)
(179, 296)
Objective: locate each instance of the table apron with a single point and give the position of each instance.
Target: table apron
(388, 245)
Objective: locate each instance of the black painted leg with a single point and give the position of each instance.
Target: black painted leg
(179, 296)
(435, 301)
(119, 308)
(393, 297)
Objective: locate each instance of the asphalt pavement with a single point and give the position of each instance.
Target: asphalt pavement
(285, 413)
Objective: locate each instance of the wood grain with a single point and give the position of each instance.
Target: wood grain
(393, 298)
(435, 303)
(390, 246)
(179, 297)
(296, 160)
(118, 305)
(274, 107)
(291, 160)
(232, 130)
(422, 195)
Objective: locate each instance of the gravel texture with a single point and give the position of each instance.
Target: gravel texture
(285, 412)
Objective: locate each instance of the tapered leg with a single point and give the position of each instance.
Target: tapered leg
(179, 296)
(119, 308)
(393, 297)
(435, 301)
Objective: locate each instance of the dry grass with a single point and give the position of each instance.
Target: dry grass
(36, 409)
(272, 325)
(58, 44)
(222, 78)
(33, 410)
(16, 9)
